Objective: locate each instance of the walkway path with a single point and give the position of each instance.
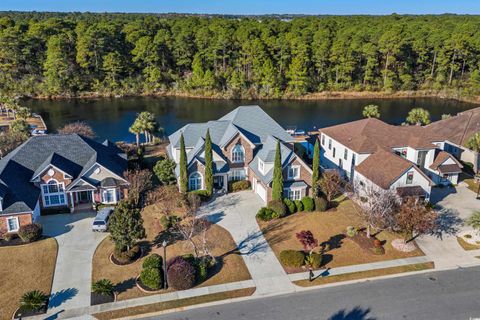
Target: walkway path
(456, 205)
(236, 213)
(76, 246)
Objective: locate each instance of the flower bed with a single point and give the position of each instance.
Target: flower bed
(97, 298)
(367, 244)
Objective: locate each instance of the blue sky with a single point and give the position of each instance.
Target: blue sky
(250, 6)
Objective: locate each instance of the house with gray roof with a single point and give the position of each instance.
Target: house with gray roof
(58, 171)
(244, 142)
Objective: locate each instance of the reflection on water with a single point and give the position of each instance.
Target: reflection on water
(110, 118)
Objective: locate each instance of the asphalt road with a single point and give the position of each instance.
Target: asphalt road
(448, 295)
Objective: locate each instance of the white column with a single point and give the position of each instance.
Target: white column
(73, 202)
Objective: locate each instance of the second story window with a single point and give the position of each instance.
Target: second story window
(345, 154)
(409, 178)
(238, 153)
(334, 151)
(323, 140)
(330, 144)
(293, 172)
(261, 166)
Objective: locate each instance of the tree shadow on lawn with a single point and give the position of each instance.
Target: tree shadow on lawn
(125, 285)
(334, 242)
(356, 313)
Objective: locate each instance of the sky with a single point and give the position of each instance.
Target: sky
(333, 7)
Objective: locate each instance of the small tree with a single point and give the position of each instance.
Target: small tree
(20, 126)
(103, 287)
(9, 141)
(33, 300)
(307, 240)
(316, 168)
(165, 171)
(371, 111)
(414, 217)
(78, 127)
(23, 113)
(126, 226)
(140, 182)
(330, 185)
(208, 164)
(277, 187)
(376, 205)
(183, 166)
(474, 221)
(418, 116)
(473, 142)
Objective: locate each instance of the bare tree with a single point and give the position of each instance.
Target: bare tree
(78, 127)
(375, 205)
(414, 218)
(331, 184)
(140, 182)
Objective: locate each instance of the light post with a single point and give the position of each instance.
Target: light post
(164, 245)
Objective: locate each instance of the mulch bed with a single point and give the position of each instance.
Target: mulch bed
(366, 243)
(96, 298)
(134, 259)
(16, 241)
(19, 314)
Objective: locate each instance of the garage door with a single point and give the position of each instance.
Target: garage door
(260, 190)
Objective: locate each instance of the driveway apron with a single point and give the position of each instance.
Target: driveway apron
(76, 245)
(236, 213)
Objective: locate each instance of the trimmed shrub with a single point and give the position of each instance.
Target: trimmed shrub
(165, 222)
(153, 261)
(9, 236)
(266, 214)
(202, 270)
(151, 278)
(278, 206)
(377, 243)
(203, 194)
(292, 258)
(290, 205)
(351, 231)
(104, 287)
(181, 274)
(314, 260)
(298, 205)
(308, 204)
(321, 204)
(235, 186)
(127, 256)
(30, 232)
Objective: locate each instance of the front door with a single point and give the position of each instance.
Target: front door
(218, 182)
(84, 196)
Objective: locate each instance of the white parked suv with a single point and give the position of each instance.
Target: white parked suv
(100, 223)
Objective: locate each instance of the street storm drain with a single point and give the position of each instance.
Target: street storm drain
(432, 278)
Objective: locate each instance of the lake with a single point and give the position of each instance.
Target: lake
(111, 118)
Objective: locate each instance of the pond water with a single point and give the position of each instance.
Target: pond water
(111, 118)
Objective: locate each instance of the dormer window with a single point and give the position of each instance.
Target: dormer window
(293, 172)
(238, 154)
(261, 166)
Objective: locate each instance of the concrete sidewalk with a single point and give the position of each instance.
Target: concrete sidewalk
(236, 213)
(360, 267)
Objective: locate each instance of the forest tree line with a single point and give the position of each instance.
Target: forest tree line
(129, 54)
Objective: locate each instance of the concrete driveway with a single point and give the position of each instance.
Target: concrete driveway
(236, 213)
(454, 206)
(76, 246)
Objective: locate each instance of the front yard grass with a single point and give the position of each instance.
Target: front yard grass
(25, 268)
(365, 274)
(467, 246)
(231, 267)
(330, 227)
(162, 306)
(470, 181)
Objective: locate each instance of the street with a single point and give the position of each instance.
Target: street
(444, 295)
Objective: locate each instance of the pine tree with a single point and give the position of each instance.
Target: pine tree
(277, 188)
(208, 164)
(126, 226)
(316, 167)
(183, 166)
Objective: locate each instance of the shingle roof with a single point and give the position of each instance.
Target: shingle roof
(441, 157)
(71, 153)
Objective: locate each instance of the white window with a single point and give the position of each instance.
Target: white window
(409, 177)
(323, 140)
(12, 224)
(294, 194)
(261, 166)
(195, 181)
(53, 193)
(109, 196)
(237, 175)
(293, 172)
(329, 144)
(238, 153)
(345, 154)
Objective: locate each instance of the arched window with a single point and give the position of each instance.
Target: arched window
(238, 153)
(53, 193)
(195, 181)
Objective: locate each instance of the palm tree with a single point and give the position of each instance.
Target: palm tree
(136, 130)
(148, 124)
(371, 111)
(104, 287)
(33, 300)
(418, 116)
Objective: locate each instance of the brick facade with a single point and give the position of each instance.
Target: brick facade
(59, 176)
(23, 219)
(227, 151)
